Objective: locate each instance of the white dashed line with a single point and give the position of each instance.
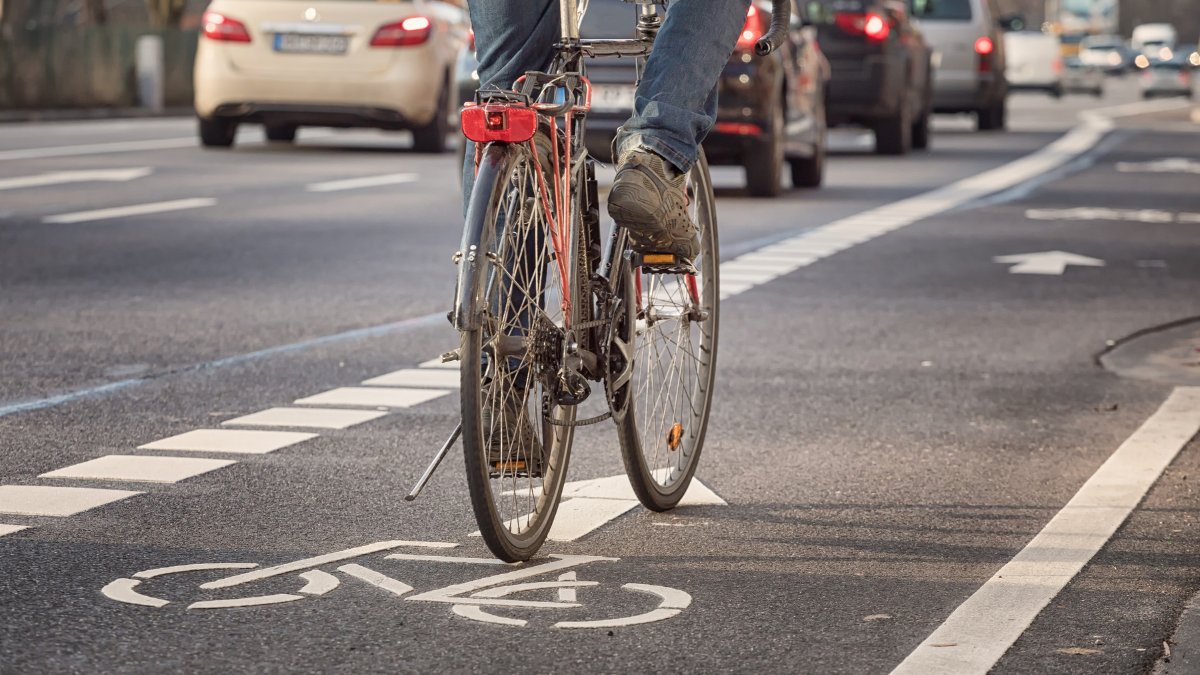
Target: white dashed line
(365, 182)
(417, 377)
(982, 629)
(133, 210)
(140, 468)
(41, 500)
(99, 148)
(316, 418)
(230, 440)
(373, 396)
(83, 176)
(10, 529)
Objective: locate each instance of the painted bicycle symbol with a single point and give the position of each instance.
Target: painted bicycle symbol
(469, 600)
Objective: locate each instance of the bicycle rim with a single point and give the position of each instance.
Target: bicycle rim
(673, 339)
(506, 363)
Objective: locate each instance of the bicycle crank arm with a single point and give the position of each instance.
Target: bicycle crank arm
(437, 460)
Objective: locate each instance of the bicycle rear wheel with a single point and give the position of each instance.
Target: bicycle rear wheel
(516, 438)
(662, 407)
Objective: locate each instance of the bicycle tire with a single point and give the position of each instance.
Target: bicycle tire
(514, 512)
(645, 425)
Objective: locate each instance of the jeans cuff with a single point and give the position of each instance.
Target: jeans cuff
(659, 146)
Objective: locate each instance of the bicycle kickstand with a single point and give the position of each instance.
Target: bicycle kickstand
(437, 460)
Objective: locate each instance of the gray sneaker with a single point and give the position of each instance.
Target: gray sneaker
(649, 200)
(513, 448)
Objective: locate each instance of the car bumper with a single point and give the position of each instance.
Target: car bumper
(863, 89)
(966, 93)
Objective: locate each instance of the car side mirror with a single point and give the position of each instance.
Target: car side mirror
(1011, 23)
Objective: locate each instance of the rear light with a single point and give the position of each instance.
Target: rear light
(984, 45)
(1058, 66)
(752, 30)
(411, 31)
(506, 123)
(738, 128)
(872, 25)
(220, 27)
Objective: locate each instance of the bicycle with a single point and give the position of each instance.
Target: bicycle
(543, 312)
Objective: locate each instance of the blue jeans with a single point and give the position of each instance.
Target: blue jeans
(676, 102)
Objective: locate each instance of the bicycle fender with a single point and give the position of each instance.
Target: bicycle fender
(477, 230)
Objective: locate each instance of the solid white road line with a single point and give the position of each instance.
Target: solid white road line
(982, 629)
(418, 377)
(61, 177)
(242, 441)
(133, 210)
(316, 418)
(9, 529)
(139, 468)
(580, 515)
(99, 148)
(387, 397)
(41, 500)
(617, 487)
(376, 579)
(365, 182)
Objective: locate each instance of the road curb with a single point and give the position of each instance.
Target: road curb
(1184, 657)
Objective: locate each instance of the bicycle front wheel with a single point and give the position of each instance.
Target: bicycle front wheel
(516, 438)
(671, 330)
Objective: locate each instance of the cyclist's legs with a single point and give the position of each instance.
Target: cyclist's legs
(676, 102)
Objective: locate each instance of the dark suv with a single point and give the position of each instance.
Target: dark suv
(881, 70)
(771, 110)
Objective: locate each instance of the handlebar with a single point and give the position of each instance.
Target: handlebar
(781, 17)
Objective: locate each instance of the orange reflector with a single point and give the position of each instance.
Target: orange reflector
(658, 259)
(675, 436)
(515, 465)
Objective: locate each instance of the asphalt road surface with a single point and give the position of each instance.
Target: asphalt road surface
(915, 461)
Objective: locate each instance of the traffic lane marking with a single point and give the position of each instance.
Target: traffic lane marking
(82, 176)
(982, 629)
(99, 148)
(43, 500)
(387, 397)
(139, 468)
(317, 561)
(10, 529)
(317, 418)
(242, 441)
(132, 210)
(417, 377)
(364, 182)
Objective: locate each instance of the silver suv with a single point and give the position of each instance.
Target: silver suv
(968, 58)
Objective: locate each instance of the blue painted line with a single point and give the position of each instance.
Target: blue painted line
(112, 387)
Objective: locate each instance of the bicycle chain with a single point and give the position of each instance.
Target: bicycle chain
(578, 423)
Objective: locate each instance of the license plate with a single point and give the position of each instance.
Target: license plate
(300, 43)
(608, 97)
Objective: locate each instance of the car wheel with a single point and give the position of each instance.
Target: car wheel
(217, 132)
(893, 135)
(993, 118)
(920, 131)
(431, 137)
(764, 163)
(1056, 92)
(1098, 93)
(809, 172)
(281, 133)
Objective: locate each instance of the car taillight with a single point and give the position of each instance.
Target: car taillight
(506, 123)
(411, 31)
(752, 30)
(1058, 66)
(220, 27)
(984, 45)
(872, 25)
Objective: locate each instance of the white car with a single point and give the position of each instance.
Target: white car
(333, 63)
(1034, 62)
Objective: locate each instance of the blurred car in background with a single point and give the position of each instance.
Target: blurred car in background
(1151, 38)
(1081, 78)
(1035, 62)
(771, 111)
(1108, 52)
(881, 69)
(1167, 78)
(332, 63)
(969, 73)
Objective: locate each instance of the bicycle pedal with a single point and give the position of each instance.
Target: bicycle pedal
(518, 468)
(663, 263)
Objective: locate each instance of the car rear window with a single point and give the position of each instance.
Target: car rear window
(942, 10)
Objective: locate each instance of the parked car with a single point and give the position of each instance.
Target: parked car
(881, 70)
(969, 56)
(1034, 62)
(1167, 78)
(1108, 52)
(771, 111)
(1081, 78)
(332, 63)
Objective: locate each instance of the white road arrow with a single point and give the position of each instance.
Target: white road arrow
(60, 177)
(1046, 262)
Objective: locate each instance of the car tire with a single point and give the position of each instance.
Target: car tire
(281, 133)
(1056, 92)
(1098, 93)
(764, 163)
(993, 118)
(217, 132)
(809, 172)
(431, 137)
(920, 131)
(894, 135)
